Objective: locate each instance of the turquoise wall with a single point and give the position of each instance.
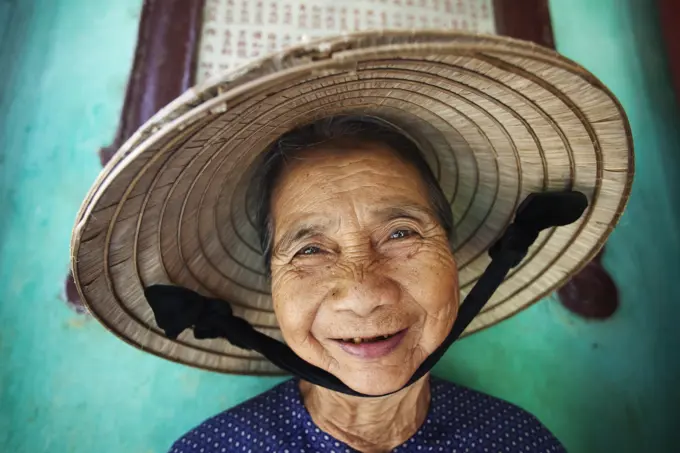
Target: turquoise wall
(66, 385)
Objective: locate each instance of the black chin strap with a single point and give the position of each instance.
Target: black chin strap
(177, 309)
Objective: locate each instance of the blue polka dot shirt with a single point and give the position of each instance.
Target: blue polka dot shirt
(459, 420)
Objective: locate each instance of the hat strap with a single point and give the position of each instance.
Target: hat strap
(177, 309)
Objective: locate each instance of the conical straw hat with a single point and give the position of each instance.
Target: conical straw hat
(497, 119)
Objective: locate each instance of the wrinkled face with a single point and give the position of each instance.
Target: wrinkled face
(363, 280)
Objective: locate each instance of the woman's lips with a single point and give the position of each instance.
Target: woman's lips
(373, 349)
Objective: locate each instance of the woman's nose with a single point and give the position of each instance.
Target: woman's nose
(364, 292)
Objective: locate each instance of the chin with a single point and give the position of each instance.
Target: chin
(375, 381)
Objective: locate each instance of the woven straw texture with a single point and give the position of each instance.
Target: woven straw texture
(497, 119)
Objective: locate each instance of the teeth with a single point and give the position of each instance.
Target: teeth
(359, 340)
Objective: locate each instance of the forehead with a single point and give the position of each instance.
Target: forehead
(366, 176)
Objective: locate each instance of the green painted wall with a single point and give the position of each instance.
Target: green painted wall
(66, 385)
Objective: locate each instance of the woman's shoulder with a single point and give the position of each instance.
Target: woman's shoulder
(486, 419)
(252, 424)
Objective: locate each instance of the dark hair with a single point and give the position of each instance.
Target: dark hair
(353, 128)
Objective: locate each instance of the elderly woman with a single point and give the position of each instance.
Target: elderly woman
(354, 202)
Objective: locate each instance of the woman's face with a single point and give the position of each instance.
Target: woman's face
(359, 255)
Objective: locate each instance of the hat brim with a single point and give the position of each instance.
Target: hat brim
(496, 118)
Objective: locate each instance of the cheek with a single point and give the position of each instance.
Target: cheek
(431, 278)
(296, 298)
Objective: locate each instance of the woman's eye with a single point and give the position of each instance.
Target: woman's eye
(400, 234)
(309, 250)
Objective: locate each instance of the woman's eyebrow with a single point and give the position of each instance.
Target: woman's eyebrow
(408, 211)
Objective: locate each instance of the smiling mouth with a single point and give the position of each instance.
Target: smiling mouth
(360, 340)
(371, 348)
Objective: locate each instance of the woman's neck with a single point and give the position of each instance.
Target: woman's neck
(370, 425)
